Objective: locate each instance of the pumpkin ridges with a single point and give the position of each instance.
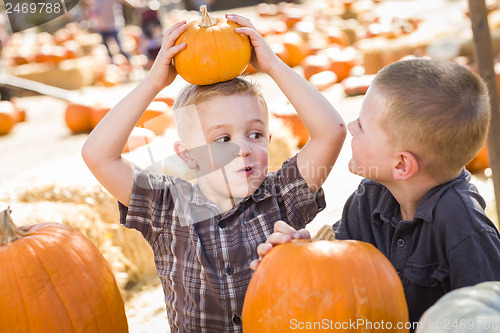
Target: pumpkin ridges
(98, 278)
(220, 39)
(9, 269)
(84, 279)
(358, 298)
(371, 275)
(34, 313)
(383, 272)
(58, 272)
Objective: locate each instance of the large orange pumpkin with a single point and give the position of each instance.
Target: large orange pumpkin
(55, 280)
(333, 283)
(214, 51)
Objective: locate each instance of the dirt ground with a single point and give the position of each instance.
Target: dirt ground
(44, 143)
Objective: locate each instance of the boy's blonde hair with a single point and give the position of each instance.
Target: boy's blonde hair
(437, 110)
(184, 106)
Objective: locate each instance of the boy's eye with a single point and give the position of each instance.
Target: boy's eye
(224, 138)
(256, 135)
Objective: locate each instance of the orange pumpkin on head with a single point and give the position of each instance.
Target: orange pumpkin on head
(214, 51)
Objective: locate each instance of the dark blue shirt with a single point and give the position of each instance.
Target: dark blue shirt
(450, 243)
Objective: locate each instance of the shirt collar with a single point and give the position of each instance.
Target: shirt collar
(195, 196)
(388, 208)
(425, 209)
(385, 212)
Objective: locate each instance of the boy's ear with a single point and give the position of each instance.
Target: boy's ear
(181, 151)
(405, 167)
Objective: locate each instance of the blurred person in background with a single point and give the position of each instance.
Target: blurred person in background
(106, 18)
(152, 35)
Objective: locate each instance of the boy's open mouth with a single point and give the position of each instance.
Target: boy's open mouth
(246, 169)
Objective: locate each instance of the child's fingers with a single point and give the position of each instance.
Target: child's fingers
(263, 249)
(251, 33)
(254, 264)
(279, 238)
(175, 49)
(173, 27)
(284, 228)
(301, 234)
(240, 20)
(172, 35)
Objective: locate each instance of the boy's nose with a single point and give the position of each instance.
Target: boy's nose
(245, 149)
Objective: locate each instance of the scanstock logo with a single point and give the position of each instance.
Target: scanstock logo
(25, 14)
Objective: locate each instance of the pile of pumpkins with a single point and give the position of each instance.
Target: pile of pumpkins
(321, 39)
(50, 51)
(29, 47)
(10, 115)
(158, 117)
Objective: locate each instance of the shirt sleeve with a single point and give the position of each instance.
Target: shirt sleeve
(299, 204)
(150, 204)
(475, 259)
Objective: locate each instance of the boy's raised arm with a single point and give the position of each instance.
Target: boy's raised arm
(102, 149)
(326, 128)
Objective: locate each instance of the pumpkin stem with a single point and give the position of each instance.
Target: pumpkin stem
(8, 230)
(207, 20)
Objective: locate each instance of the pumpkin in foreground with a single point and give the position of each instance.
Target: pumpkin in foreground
(468, 309)
(214, 51)
(55, 280)
(320, 285)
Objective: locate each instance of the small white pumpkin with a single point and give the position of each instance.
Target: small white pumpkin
(474, 309)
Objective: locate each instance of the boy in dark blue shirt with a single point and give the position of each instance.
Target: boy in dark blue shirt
(420, 123)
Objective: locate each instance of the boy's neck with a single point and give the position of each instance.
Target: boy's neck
(223, 202)
(410, 192)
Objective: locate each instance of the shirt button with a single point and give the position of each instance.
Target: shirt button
(236, 320)
(222, 224)
(400, 242)
(399, 273)
(229, 270)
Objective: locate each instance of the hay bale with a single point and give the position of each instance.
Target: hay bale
(85, 206)
(69, 74)
(379, 52)
(283, 143)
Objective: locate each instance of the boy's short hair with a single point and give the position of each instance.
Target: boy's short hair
(184, 105)
(436, 109)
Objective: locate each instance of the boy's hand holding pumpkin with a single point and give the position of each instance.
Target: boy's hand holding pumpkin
(263, 57)
(163, 72)
(283, 233)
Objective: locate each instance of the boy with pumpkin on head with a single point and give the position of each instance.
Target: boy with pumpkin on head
(421, 121)
(205, 236)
